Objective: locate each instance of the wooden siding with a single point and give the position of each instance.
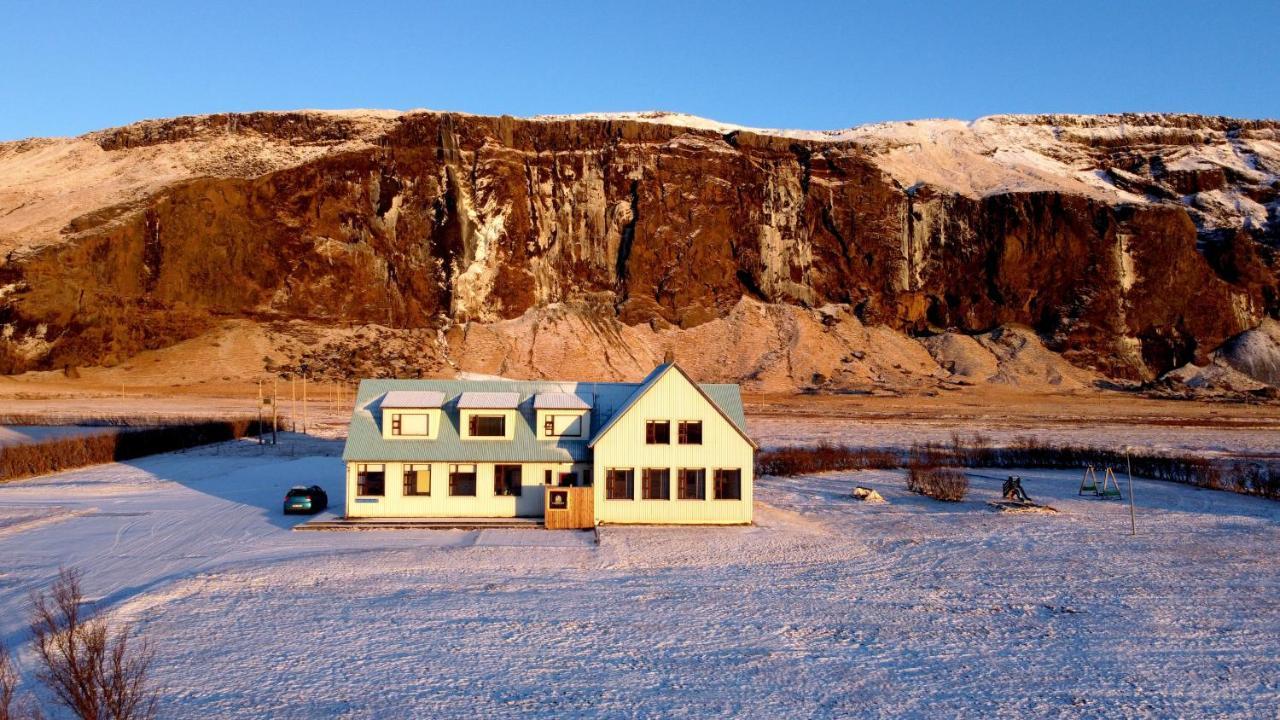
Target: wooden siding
(579, 514)
(672, 398)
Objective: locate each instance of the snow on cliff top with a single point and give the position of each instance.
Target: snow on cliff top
(46, 182)
(1014, 153)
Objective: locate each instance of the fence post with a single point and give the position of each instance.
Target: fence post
(1133, 523)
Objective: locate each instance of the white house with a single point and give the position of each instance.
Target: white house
(664, 450)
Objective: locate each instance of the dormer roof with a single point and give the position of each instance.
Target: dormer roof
(488, 400)
(413, 399)
(559, 401)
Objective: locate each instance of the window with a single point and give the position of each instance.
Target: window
(618, 484)
(488, 426)
(692, 483)
(657, 432)
(562, 426)
(657, 484)
(371, 480)
(462, 480)
(415, 425)
(690, 432)
(506, 480)
(546, 478)
(729, 484)
(417, 480)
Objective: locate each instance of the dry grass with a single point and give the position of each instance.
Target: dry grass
(41, 458)
(939, 483)
(822, 457)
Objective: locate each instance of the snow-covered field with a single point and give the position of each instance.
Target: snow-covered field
(20, 434)
(825, 608)
(1260, 441)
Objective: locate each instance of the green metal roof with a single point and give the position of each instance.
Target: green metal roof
(366, 444)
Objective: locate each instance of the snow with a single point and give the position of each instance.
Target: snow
(826, 607)
(21, 434)
(1153, 436)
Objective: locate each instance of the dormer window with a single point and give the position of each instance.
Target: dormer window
(410, 425)
(562, 426)
(487, 426)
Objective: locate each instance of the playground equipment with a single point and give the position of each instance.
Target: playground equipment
(1108, 488)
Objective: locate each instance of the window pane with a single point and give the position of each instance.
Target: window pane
(691, 432)
(462, 480)
(371, 482)
(657, 432)
(488, 425)
(693, 484)
(417, 480)
(506, 480)
(618, 484)
(728, 484)
(410, 425)
(657, 484)
(564, 425)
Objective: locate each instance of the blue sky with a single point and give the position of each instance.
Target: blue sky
(72, 67)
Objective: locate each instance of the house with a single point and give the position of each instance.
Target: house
(664, 450)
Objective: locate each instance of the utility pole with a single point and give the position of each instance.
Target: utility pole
(259, 429)
(293, 402)
(304, 399)
(1133, 522)
(275, 412)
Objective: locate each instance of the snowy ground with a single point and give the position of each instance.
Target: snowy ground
(1262, 440)
(827, 607)
(20, 434)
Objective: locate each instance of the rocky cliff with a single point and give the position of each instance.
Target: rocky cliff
(1128, 245)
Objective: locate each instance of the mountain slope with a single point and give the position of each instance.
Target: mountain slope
(1130, 245)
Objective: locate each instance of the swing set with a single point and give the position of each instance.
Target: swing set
(1108, 488)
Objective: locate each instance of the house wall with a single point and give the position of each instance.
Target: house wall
(440, 504)
(433, 423)
(673, 398)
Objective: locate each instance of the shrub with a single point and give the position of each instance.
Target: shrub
(8, 686)
(798, 460)
(939, 483)
(94, 669)
(40, 458)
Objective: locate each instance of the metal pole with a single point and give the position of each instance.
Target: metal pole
(1133, 523)
(293, 402)
(304, 404)
(275, 414)
(259, 429)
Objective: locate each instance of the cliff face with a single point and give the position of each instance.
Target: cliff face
(427, 220)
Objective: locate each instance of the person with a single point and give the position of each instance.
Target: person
(1013, 490)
